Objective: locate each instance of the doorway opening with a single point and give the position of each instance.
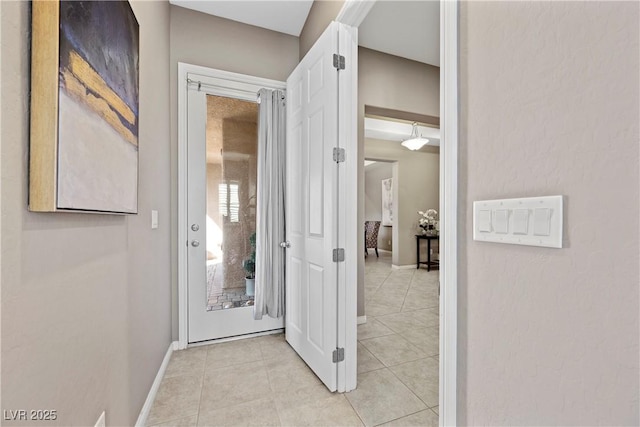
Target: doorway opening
(217, 180)
(399, 338)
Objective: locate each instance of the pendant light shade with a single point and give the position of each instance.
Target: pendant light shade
(415, 141)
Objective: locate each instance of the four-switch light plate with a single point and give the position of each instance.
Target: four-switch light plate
(532, 221)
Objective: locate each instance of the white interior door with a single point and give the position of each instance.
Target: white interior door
(209, 275)
(312, 275)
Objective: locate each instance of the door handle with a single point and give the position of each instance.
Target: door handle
(286, 244)
(195, 243)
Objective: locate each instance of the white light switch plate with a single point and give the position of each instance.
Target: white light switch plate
(154, 219)
(532, 221)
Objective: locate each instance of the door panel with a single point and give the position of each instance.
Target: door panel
(312, 128)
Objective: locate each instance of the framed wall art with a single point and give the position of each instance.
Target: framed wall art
(84, 107)
(387, 202)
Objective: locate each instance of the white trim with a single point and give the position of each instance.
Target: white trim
(403, 267)
(217, 82)
(236, 338)
(449, 103)
(384, 251)
(348, 218)
(353, 12)
(146, 408)
(362, 320)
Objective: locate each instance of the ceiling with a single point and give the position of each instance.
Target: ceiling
(283, 16)
(398, 131)
(409, 29)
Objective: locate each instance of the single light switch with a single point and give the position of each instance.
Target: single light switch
(542, 221)
(484, 220)
(154, 219)
(521, 221)
(502, 221)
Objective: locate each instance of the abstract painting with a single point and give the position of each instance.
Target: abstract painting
(97, 106)
(387, 202)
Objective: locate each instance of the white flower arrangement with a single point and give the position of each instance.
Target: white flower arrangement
(428, 220)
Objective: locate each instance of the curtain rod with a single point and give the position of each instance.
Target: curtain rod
(200, 84)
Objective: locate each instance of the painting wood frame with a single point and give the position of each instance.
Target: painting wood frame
(112, 108)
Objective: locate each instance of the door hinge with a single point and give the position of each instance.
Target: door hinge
(338, 155)
(338, 255)
(338, 355)
(338, 61)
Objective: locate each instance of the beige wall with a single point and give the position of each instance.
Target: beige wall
(390, 82)
(416, 188)
(214, 42)
(320, 16)
(549, 105)
(373, 176)
(85, 298)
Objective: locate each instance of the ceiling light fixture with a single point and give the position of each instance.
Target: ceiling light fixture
(415, 141)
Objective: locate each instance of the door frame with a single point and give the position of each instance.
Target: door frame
(449, 106)
(224, 83)
(353, 12)
(348, 232)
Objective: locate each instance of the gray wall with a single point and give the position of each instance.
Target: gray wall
(321, 14)
(416, 188)
(549, 105)
(373, 176)
(85, 298)
(390, 82)
(210, 41)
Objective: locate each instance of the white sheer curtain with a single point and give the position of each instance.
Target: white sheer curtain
(270, 215)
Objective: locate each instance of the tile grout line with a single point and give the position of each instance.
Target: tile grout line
(407, 386)
(374, 356)
(404, 416)
(404, 300)
(204, 371)
(273, 392)
(354, 409)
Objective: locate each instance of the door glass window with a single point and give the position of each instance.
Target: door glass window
(231, 157)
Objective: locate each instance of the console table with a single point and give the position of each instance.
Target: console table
(430, 264)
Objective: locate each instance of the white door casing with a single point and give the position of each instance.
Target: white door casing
(353, 12)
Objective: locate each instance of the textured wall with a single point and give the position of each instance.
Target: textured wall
(388, 81)
(321, 14)
(200, 39)
(85, 298)
(549, 105)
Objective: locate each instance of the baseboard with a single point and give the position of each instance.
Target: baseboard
(362, 319)
(384, 251)
(402, 267)
(146, 408)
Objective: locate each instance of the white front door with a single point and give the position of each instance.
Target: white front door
(221, 169)
(312, 311)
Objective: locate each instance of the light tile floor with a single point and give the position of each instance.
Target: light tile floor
(269, 385)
